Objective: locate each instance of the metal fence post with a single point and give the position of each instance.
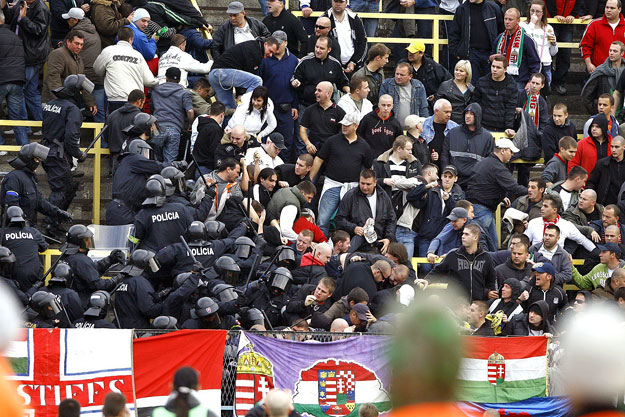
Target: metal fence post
(96, 176)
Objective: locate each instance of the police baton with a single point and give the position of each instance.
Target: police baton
(186, 246)
(53, 266)
(51, 239)
(84, 154)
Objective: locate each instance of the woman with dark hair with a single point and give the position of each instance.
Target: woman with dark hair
(183, 401)
(263, 190)
(255, 113)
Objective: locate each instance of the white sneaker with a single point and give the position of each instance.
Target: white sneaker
(2, 153)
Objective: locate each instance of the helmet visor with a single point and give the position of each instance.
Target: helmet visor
(231, 277)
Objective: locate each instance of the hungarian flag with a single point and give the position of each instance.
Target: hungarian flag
(157, 358)
(51, 365)
(503, 369)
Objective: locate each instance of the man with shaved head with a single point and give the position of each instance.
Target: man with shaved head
(323, 27)
(586, 210)
(609, 173)
(320, 120)
(380, 127)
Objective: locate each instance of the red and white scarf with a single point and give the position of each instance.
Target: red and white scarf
(513, 51)
(549, 223)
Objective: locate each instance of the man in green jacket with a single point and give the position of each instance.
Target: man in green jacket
(597, 277)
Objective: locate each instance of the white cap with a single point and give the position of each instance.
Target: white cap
(505, 143)
(74, 13)
(350, 119)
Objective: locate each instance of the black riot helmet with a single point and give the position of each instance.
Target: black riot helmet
(243, 247)
(215, 230)
(62, 274)
(281, 279)
(177, 178)
(165, 323)
(79, 237)
(45, 303)
(196, 232)
(204, 307)
(155, 187)
(7, 259)
(99, 303)
(72, 85)
(29, 156)
(228, 270)
(140, 260)
(225, 292)
(252, 317)
(143, 123)
(140, 147)
(15, 214)
(286, 257)
(181, 278)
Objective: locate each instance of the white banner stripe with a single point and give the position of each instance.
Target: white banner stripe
(211, 398)
(245, 383)
(245, 395)
(516, 369)
(16, 350)
(366, 392)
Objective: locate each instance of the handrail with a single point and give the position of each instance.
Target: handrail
(97, 151)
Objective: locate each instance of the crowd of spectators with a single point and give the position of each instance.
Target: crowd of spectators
(306, 172)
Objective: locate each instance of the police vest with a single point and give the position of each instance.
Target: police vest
(198, 411)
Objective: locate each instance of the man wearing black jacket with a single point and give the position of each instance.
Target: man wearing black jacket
(209, 133)
(311, 301)
(543, 287)
(238, 67)
(354, 50)
(281, 19)
(609, 174)
(470, 267)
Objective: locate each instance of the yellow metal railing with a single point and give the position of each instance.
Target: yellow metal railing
(97, 151)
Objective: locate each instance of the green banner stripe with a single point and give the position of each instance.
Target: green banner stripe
(505, 392)
(19, 365)
(315, 409)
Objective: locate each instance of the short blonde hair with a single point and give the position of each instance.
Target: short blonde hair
(466, 66)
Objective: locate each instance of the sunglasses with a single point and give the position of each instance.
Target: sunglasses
(579, 301)
(322, 27)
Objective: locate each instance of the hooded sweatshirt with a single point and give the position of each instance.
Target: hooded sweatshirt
(552, 135)
(520, 325)
(171, 103)
(379, 133)
(589, 150)
(465, 148)
(510, 308)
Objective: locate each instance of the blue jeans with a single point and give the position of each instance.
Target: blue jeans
(223, 80)
(371, 27)
(170, 138)
(480, 63)
(15, 101)
(263, 7)
(424, 27)
(548, 75)
(485, 218)
(100, 100)
(327, 206)
(300, 148)
(286, 126)
(32, 98)
(422, 247)
(406, 237)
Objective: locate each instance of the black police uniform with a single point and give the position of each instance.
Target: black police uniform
(180, 301)
(136, 303)
(70, 300)
(206, 252)
(225, 323)
(61, 132)
(200, 213)
(21, 295)
(93, 323)
(87, 276)
(129, 187)
(25, 243)
(19, 188)
(157, 227)
(258, 296)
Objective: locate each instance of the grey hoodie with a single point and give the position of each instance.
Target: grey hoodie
(170, 103)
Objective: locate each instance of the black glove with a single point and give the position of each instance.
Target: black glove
(164, 293)
(211, 191)
(117, 279)
(197, 268)
(117, 256)
(181, 165)
(82, 157)
(36, 286)
(63, 215)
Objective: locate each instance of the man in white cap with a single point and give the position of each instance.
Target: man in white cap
(345, 155)
(140, 42)
(492, 184)
(59, 26)
(239, 28)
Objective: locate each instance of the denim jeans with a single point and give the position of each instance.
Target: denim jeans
(486, 218)
(100, 100)
(424, 27)
(32, 98)
(422, 249)
(480, 64)
(406, 237)
(14, 96)
(564, 33)
(300, 148)
(371, 27)
(286, 126)
(327, 206)
(223, 80)
(170, 138)
(263, 7)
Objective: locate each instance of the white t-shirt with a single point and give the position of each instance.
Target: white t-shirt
(243, 34)
(373, 202)
(566, 198)
(344, 35)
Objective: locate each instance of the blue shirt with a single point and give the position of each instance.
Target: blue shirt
(276, 74)
(141, 43)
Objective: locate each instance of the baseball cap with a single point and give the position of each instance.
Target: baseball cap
(173, 73)
(235, 7)
(361, 311)
(277, 139)
(280, 35)
(350, 119)
(612, 247)
(545, 267)
(458, 213)
(505, 143)
(451, 169)
(416, 46)
(74, 13)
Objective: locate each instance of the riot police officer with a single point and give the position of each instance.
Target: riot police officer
(19, 187)
(61, 133)
(94, 317)
(175, 191)
(270, 296)
(68, 298)
(86, 271)
(136, 302)
(159, 223)
(205, 316)
(7, 261)
(43, 310)
(26, 243)
(181, 299)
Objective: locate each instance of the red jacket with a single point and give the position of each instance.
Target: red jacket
(302, 224)
(598, 37)
(586, 155)
(563, 7)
